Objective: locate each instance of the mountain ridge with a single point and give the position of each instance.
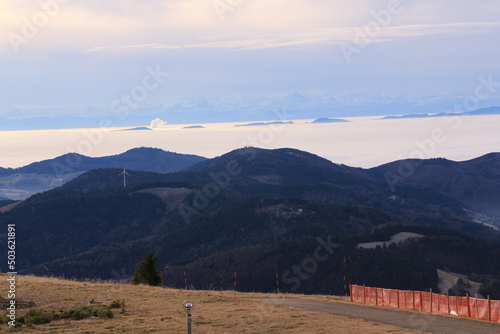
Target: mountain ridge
(475, 182)
(479, 112)
(283, 199)
(23, 182)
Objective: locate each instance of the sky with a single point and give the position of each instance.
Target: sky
(94, 66)
(73, 63)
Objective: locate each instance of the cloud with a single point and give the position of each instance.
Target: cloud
(327, 36)
(158, 123)
(256, 24)
(382, 141)
(101, 48)
(164, 23)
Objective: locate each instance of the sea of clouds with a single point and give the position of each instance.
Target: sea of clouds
(362, 142)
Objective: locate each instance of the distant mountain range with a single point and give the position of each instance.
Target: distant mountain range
(265, 123)
(20, 183)
(293, 106)
(194, 127)
(139, 128)
(329, 120)
(479, 112)
(261, 212)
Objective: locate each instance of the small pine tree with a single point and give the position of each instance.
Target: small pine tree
(146, 273)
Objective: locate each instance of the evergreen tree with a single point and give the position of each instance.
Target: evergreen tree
(146, 273)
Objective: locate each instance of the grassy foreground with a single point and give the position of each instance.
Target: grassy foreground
(159, 310)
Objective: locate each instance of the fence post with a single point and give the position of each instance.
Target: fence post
(489, 308)
(235, 284)
(397, 294)
(364, 294)
(448, 299)
(439, 304)
(221, 276)
(413, 298)
(468, 305)
(278, 283)
(477, 307)
(431, 300)
(421, 303)
(376, 296)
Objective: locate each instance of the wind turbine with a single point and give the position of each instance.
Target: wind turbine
(124, 173)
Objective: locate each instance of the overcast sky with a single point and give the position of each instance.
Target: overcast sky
(80, 56)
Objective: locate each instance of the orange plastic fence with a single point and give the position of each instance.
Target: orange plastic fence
(467, 307)
(495, 310)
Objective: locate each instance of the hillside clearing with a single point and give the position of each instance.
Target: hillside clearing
(170, 196)
(9, 207)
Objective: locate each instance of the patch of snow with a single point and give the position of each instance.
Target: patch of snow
(396, 238)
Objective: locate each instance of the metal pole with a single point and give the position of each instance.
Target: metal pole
(188, 322)
(188, 305)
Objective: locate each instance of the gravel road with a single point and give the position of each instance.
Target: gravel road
(423, 322)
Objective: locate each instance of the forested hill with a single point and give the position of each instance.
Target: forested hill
(475, 182)
(23, 182)
(260, 212)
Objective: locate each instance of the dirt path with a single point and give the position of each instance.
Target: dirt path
(417, 321)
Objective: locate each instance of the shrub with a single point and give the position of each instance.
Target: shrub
(104, 312)
(78, 313)
(40, 316)
(36, 317)
(117, 304)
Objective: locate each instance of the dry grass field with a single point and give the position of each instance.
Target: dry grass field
(159, 310)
